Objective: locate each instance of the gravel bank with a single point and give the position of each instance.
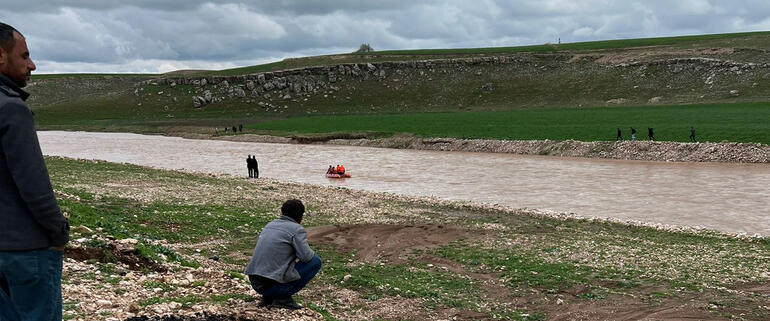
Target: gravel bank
(666, 151)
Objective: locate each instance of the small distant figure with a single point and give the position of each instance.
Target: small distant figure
(234, 130)
(240, 128)
(256, 166)
(620, 136)
(650, 134)
(692, 135)
(633, 134)
(340, 170)
(250, 166)
(331, 170)
(225, 129)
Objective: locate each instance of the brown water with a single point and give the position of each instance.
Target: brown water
(725, 197)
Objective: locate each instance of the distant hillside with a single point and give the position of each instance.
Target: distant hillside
(729, 68)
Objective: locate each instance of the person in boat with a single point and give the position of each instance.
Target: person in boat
(341, 170)
(330, 170)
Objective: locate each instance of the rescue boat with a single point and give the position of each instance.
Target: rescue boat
(346, 175)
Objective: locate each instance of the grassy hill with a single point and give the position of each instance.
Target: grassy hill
(474, 91)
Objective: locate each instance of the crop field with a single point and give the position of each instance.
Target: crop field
(734, 123)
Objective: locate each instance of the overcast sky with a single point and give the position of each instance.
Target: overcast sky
(164, 35)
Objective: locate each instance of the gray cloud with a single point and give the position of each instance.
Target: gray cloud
(153, 36)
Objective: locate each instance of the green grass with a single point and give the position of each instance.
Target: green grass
(734, 122)
(375, 281)
(89, 75)
(416, 54)
(576, 46)
(522, 271)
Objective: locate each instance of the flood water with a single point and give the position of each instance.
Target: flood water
(725, 197)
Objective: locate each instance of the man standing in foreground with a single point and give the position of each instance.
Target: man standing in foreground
(283, 263)
(33, 230)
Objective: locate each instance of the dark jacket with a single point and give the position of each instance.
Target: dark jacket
(30, 218)
(281, 244)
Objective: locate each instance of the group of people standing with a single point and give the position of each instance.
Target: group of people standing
(651, 134)
(235, 130)
(253, 166)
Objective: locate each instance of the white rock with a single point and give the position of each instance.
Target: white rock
(128, 241)
(103, 303)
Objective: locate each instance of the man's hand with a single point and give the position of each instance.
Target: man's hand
(58, 248)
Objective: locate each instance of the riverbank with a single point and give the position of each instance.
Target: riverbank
(664, 151)
(167, 245)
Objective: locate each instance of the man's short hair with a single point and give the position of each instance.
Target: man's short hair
(7, 40)
(293, 208)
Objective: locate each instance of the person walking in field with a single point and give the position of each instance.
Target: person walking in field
(633, 134)
(283, 262)
(650, 134)
(692, 134)
(620, 136)
(33, 231)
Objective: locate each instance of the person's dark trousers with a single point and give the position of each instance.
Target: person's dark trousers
(306, 270)
(30, 285)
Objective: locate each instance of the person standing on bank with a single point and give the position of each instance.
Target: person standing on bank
(650, 134)
(633, 134)
(256, 166)
(283, 262)
(692, 135)
(33, 232)
(620, 136)
(250, 166)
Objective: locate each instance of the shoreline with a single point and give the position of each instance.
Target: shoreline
(662, 151)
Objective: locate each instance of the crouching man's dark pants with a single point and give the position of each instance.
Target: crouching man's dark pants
(307, 271)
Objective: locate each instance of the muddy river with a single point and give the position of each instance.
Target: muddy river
(725, 197)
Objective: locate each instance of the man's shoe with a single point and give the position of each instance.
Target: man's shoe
(265, 301)
(286, 303)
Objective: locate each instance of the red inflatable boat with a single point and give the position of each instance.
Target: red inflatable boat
(346, 175)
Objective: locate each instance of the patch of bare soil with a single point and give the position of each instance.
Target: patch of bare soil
(127, 255)
(392, 243)
(757, 288)
(649, 53)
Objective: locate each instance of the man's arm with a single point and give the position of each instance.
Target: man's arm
(304, 252)
(27, 167)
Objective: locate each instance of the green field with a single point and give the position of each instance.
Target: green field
(577, 46)
(748, 39)
(581, 91)
(735, 123)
